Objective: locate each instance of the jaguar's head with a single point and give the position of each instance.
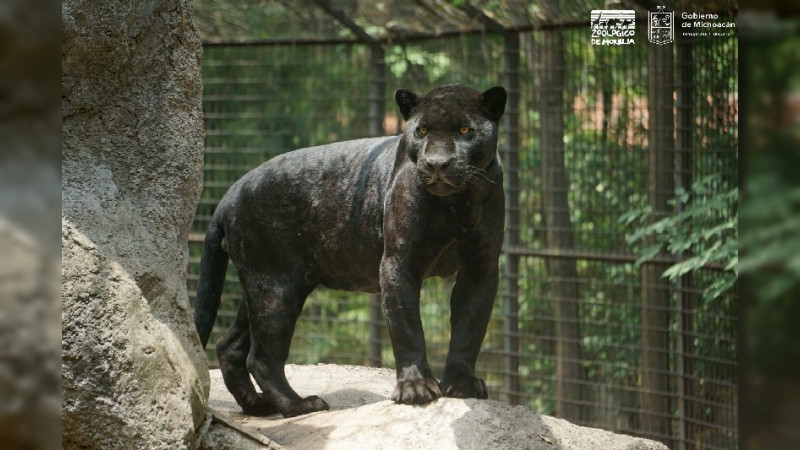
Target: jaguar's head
(451, 134)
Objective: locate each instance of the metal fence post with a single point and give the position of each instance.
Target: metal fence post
(683, 178)
(511, 176)
(511, 271)
(377, 88)
(656, 393)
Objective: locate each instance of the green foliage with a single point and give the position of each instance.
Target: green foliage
(330, 328)
(706, 228)
(772, 250)
(400, 59)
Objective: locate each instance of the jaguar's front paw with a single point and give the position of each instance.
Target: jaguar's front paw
(464, 387)
(415, 388)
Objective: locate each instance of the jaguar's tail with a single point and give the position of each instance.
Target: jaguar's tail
(213, 267)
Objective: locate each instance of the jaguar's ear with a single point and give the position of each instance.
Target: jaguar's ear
(494, 100)
(406, 100)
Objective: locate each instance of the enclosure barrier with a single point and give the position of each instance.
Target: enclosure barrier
(589, 134)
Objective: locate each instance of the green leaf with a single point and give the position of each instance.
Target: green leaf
(648, 254)
(719, 287)
(705, 229)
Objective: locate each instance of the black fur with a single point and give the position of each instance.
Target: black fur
(375, 215)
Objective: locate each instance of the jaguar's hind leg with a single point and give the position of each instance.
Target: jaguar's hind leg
(232, 351)
(274, 304)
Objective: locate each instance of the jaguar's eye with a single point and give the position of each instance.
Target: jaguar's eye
(422, 130)
(464, 130)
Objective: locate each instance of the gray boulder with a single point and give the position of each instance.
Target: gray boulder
(362, 416)
(29, 381)
(30, 312)
(133, 372)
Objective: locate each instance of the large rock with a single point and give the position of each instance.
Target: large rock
(29, 381)
(361, 416)
(133, 372)
(30, 310)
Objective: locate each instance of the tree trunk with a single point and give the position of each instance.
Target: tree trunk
(655, 393)
(559, 235)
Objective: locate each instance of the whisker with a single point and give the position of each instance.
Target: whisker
(479, 170)
(476, 179)
(476, 173)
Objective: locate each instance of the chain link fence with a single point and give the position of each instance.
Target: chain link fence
(579, 329)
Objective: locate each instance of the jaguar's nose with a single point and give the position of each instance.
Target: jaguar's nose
(438, 164)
